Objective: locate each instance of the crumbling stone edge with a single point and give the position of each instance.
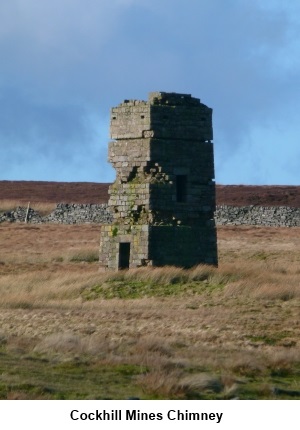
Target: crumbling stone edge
(64, 213)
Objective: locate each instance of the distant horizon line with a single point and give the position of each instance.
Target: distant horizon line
(99, 183)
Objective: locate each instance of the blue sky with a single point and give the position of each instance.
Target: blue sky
(65, 63)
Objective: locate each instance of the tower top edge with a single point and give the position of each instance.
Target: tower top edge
(164, 98)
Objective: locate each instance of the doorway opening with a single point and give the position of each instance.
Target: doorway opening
(124, 255)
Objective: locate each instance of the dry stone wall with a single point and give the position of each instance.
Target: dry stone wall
(63, 214)
(276, 216)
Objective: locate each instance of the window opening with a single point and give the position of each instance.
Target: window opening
(181, 188)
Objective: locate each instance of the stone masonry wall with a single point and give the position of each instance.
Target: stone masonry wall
(145, 192)
(276, 216)
(140, 119)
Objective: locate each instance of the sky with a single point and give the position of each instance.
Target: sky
(64, 64)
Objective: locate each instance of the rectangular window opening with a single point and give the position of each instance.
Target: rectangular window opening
(181, 188)
(124, 255)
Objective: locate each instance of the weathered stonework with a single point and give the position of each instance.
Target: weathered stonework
(163, 198)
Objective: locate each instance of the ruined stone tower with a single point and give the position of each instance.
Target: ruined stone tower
(163, 198)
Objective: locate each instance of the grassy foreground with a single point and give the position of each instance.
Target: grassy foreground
(68, 331)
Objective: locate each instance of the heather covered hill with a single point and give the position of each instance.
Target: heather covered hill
(261, 195)
(54, 192)
(92, 192)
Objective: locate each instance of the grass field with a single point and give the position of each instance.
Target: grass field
(69, 331)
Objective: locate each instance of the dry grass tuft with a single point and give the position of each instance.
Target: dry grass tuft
(61, 342)
(160, 275)
(161, 383)
(198, 383)
(74, 344)
(283, 359)
(154, 345)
